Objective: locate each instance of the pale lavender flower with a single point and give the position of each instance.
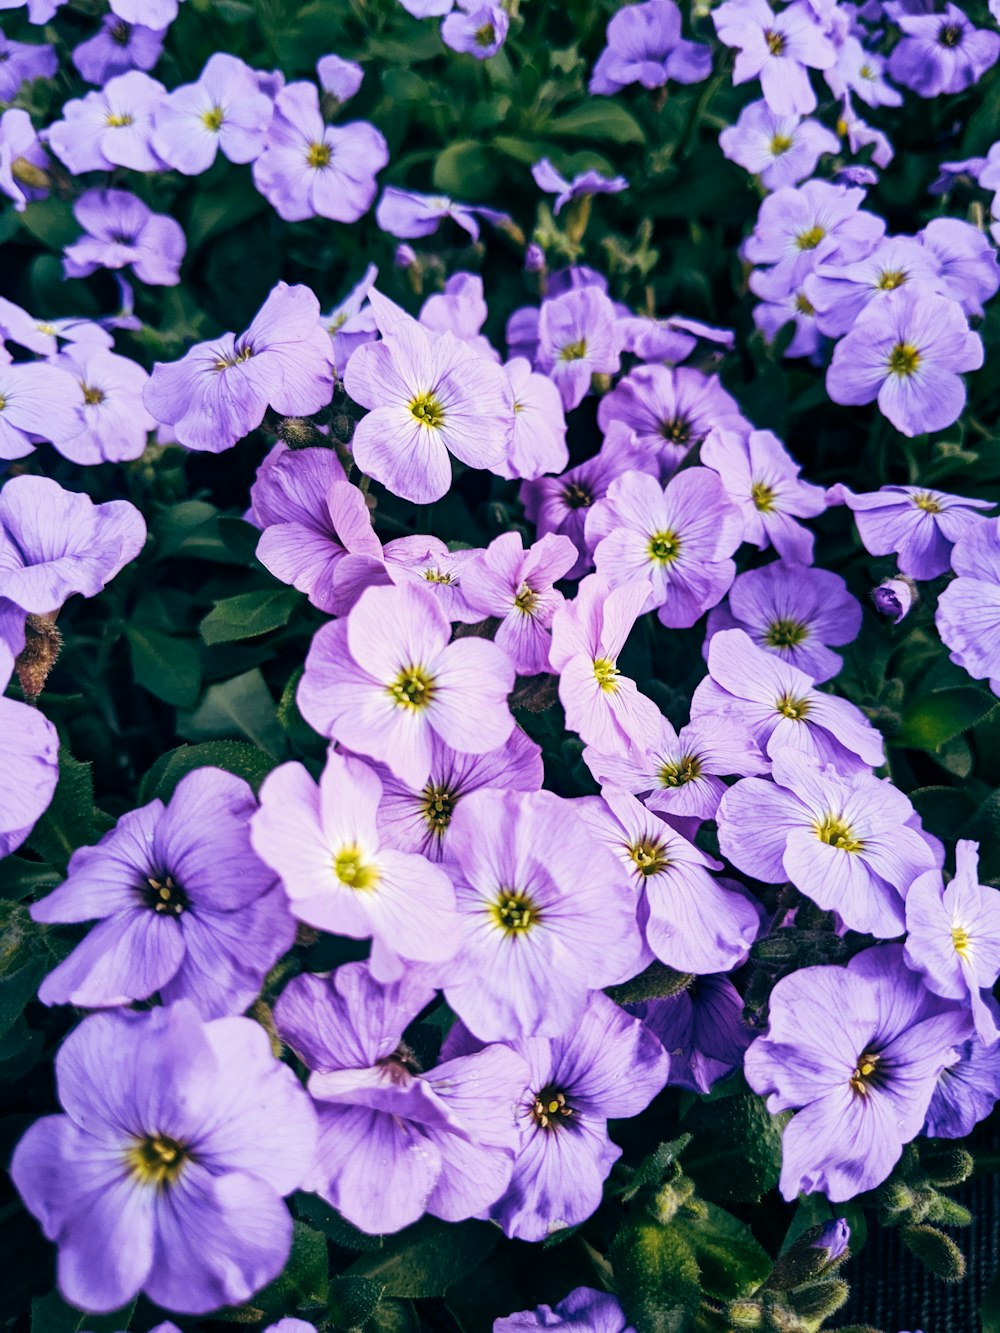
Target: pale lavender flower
(224, 110)
(761, 477)
(603, 707)
(850, 842)
(352, 323)
(120, 231)
(45, 337)
(861, 135)
(964, 260)
(184, 908)
(645, 46)
(339, 876)
(115, 49)
(384, 679)
(542, 924)
(167, 1172)
(110, 128)
(781, 150)
(794, 307)
(23, 161)
(538, 445)
(219, 391)
(782, 707)
(599, 1312)
(689, 920)
(460, 309)
(941, 52)
(966, 1092)
(840, 292)
(908, 351)
(672, 339)
(678, 539)
(153, 13)
(702, 1029)
(308, 168)
(427, 562)
(507, 581)
(339, 78)
(112, 423)
(860, 70)
(577, 338)
(476, 29)
(21, 62)
(779, 49)
(679, 774)
(409, 215)
(918, 525)
(547, 178)
(968, 611)
(793, 611)
(953, 936)
(797, 229)
(37, 401)
(29, 748)
(893, 598)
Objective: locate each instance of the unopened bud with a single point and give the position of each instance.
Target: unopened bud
(298, 433)
(42, 642)
(894, 597)
(937, 1252)
(27, 173)
(811, 1255)
(895, 1197)
(947, 1166)
(405, 255)
(745, 1314)
(671, 1197)
(818, 1300)
(534, 259)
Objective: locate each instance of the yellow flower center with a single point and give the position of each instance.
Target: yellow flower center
(864, 1073)
(950, 34)
(427, 410)
(157, 1160)
(775, 42)
(808, 240)
(575, 497)
(550, 1109)
(437, 805)
(526, 599)
(648, 857)
(675, 773)
(890, 279)
(486, 35)
(664, 547)
(789, 707)
(835, 831)
(785, 633)
(413, 688)
(962, 941)
(213, 119)
(606, 673)
(573, 351)
(903, 360)
(514, 912)
(926, 502)
(780, 143)
(762, 496)
(92, 396)
(351, 868)
(118, 120)
(803, 305)
(319, 155)
(677, 430)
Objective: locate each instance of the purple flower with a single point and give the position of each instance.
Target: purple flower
(308, 168)
(761, 477)
(153, 13)
(840, 293)
(219, 391)
(645, 46)
(339, 78)
(561, 504)
(907, 351)
(339, 876)
(384, 679)
(860, 70)
(847, 841)
(608, 1066)
(968, 611)
(953, 936)
(475, 29)
(584, 1308)
(966, 1092)
(29, 750)
(856, 1051)
(23, 161)
(409, 215)
(779, 49)
(21, 62)
(539, 441)
(680, 774)
(861, 135)
(54, 543)
(395, 1142)
(893, 598)
(782, 707)
(602, 706)
(110, 128)
(461, 310)
(941, 53)
(507, 581)
(690, 921)
(797, 229)
(427, 562)
(224, 109)
(577, 338)
(417, 819)
(794, 307)
(781, 150)
(678, 539)
(120, 231)
(112, 424)
(672, 339)
(166, 1174)
(703, 1030)
(115, 49)
(586, 183)
(542, 923)
(352, 323)
(184, 907)
(671, 411)
(964, 260)
(918, 525)
(793, 611)
(429, 395)
(37, 401)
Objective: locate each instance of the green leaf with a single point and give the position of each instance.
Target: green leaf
(657, 1279)
(932, 720)
(352, 1301)
(653, 1169)
(466, 169)
(314, 1210)
(731, 1261)
(736, 1153)
(221, 208)
(51, 1314)
(68, 823)
(241, 706)
(249, 614)
(18, 988)
(425, 1259)
(600, 118)
(238, 757)
(984, 828)
(302, 1287)
(168, 667)
(943, 809)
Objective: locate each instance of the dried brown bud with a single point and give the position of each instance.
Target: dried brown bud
(42, 642)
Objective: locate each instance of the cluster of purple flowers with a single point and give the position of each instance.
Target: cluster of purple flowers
(426, 831)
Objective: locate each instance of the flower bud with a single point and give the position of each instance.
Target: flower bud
(894, 597)
(811, 1255)
(818, 1300)
(26, 173)
(42, 643)
(534, 259)
(405, 255)
(947, 1166)
(745, 1314)
(937, 1252)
